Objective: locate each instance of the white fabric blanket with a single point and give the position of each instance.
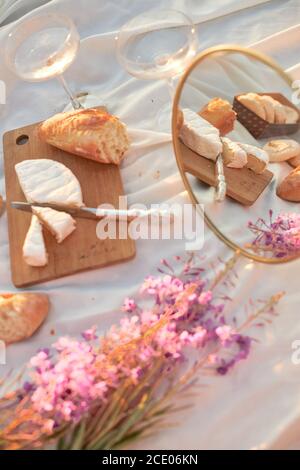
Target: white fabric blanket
(257, 402)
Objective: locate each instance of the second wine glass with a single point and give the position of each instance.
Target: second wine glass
(158, 44)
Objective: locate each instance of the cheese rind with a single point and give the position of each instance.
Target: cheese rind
(257, 158)
(47, 181)
(60, 224)
(200, 136)
(233, 154)
(34, 249)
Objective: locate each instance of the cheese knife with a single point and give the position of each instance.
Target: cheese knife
(220, 177)
(98, 213)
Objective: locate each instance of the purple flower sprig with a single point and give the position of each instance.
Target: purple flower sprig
(96, 392)
(279, 237)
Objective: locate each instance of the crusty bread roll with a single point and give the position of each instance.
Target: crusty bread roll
(295, 161)
(89, 133)
(21, 315)
(280, 150)
(289, 188)
(220, 114)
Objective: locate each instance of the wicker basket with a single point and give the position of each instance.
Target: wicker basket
(258, 127)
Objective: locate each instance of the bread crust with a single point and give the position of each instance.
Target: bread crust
(289, 188)
(295, 161)
(21, 315)
(252, 102)
(220, 114)
(281, 150)
(90, 133)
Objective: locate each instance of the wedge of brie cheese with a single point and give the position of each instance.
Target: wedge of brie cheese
(233, 154)
(199, 135)
(60, 224)
(34, 249)
(258, 158)
(47, 181)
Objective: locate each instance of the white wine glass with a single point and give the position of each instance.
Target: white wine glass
(157, 44)
(43, 47)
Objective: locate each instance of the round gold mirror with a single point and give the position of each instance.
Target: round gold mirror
(237, 143)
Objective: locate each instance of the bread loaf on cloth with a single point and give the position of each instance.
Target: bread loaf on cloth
(21, 315)
(90, 133)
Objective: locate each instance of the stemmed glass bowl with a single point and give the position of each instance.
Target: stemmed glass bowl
(43, 47)
(157, 44)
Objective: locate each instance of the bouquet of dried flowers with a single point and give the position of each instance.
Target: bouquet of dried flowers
(279, 237)
(104, 392)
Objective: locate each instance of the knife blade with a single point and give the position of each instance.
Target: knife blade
(97, 213)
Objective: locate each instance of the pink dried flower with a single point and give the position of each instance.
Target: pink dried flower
(90, 334)
(225, 333)
(79, 374)
(279, 237)
(129, 305)
(205, 298)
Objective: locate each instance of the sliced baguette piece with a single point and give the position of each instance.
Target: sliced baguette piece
(234, 156)
(292, 116)
(252, 102)
(278, 109)
(90, 133)
(269, 106)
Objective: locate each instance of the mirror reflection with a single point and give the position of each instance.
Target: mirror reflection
(238, 143)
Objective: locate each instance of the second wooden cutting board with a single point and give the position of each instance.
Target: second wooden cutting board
(243, 185)
(100, 184)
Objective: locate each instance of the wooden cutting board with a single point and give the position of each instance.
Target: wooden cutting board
(81, 251)
(243, 185)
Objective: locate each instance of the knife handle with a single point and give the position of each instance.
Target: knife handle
(132, 214)
(221, 182)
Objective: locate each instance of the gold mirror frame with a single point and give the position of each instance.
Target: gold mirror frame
(200, 58)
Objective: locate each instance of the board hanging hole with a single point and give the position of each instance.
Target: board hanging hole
(22, 139)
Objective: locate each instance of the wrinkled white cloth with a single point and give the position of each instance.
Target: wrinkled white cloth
(251, 407)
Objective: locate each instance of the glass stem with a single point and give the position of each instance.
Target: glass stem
(74, 101)
(172, 82)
